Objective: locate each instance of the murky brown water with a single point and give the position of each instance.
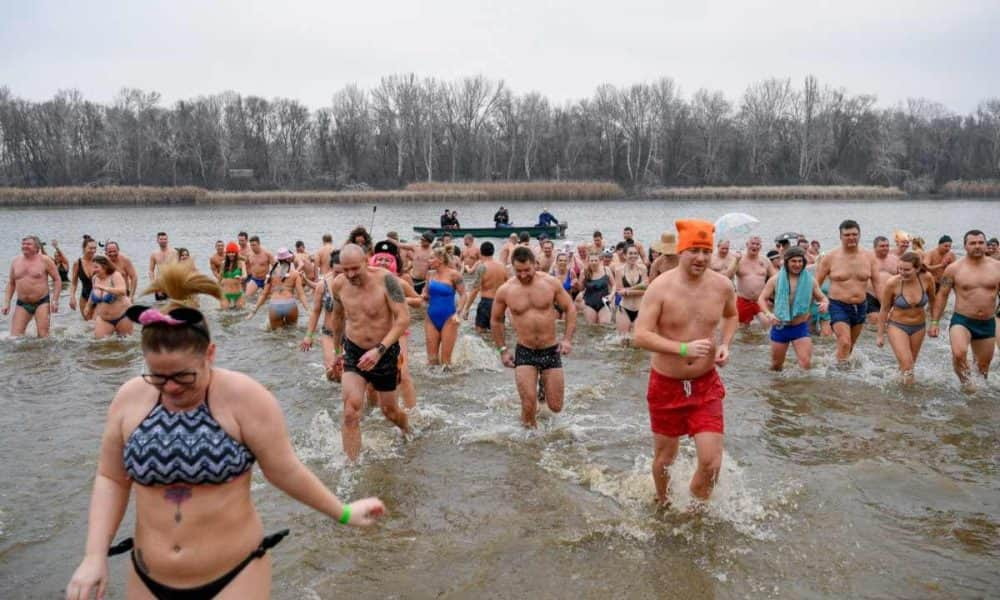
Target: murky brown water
(835, 484)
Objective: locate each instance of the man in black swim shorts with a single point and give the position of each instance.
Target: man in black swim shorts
(369, 316)
(531, 295)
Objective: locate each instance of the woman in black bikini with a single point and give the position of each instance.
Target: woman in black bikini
(80, 273)
(197, 532)
(109, 300)
(906, 300)
(631, 279)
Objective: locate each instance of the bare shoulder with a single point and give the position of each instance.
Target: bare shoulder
(126, 395)
(251, 394)
(719, 281)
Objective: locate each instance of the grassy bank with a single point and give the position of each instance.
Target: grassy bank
(330, 197)
(989, 188)
(100, 196)
(529, 190)
(453, 194)
(785, 192)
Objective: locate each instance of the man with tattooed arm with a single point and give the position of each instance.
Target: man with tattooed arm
(370, 314)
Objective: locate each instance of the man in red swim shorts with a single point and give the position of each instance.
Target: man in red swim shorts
(678, 318)
(752, 271)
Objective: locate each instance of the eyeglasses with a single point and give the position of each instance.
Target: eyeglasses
(180, 378)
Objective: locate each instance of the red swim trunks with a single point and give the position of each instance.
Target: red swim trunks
(685, 407)
(748, 309)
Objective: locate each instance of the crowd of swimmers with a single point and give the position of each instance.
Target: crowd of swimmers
(682, 299)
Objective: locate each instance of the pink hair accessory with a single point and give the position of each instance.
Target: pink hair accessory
(150, 316)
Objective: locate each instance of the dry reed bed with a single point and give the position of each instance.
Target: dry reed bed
(529, 190)
(100, 196)
(989, 188)
(325, 197)
(789, 192)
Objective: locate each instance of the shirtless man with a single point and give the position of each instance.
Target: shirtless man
(163, 255)
(323, 304)
(242, 240)
(421, 260)
(508, 247)
(938, 259)
(976, 281)
(370, 315)
(489, 276)
(993, 248)
(902, 243)
(259, 264)
(323, 254)
(215, 261)
(470, 254)
(722, 260)
(531, 297)
(546, 258)
(888, 265)
(678, 318)
(28, 278)
(123, 265)
(668, 259)
(850, 270)
(304, 263)
(597, 243)
(752, 271)
(629, 236)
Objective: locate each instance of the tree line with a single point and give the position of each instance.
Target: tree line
(409, 129)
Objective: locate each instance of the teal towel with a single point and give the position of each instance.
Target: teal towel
(787, 310)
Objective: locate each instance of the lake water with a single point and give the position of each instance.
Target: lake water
(835, 483)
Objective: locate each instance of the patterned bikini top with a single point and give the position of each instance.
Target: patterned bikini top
(184, 447)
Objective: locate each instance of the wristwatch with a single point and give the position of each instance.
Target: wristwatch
(381, 348)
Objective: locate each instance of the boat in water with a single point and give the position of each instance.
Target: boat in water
(550, 231)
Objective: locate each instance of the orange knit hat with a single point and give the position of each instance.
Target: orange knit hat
(694, 233)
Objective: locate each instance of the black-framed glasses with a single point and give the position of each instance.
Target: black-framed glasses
(180, 378)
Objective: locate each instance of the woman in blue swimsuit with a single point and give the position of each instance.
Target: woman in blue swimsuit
(441, 326)
(906, 300)
(109, 300)
(184, 438)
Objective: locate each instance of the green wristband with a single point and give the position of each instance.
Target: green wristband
(684, 349)
(345, 516)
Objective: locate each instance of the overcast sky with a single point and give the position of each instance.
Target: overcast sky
(948, 52)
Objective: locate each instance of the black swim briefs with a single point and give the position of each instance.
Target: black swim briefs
(383, 375)
(540, 358)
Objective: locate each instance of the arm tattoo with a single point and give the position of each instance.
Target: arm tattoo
(394, 290)
(947, 282)
(479, 276)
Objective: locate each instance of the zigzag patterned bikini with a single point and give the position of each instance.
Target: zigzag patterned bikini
(186, 448)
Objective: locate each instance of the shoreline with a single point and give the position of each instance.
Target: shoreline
(550, 192)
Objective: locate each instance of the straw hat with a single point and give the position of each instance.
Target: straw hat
(667, 243)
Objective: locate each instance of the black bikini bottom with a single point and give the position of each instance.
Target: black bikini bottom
(202, 592)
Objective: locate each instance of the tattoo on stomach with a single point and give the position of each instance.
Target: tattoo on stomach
(177, 494)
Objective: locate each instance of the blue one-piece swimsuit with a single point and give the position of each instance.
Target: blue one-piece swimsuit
(441, 304)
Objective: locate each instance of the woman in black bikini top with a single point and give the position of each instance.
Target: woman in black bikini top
(183, 438)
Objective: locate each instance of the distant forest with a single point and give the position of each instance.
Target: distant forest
(409, 129)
